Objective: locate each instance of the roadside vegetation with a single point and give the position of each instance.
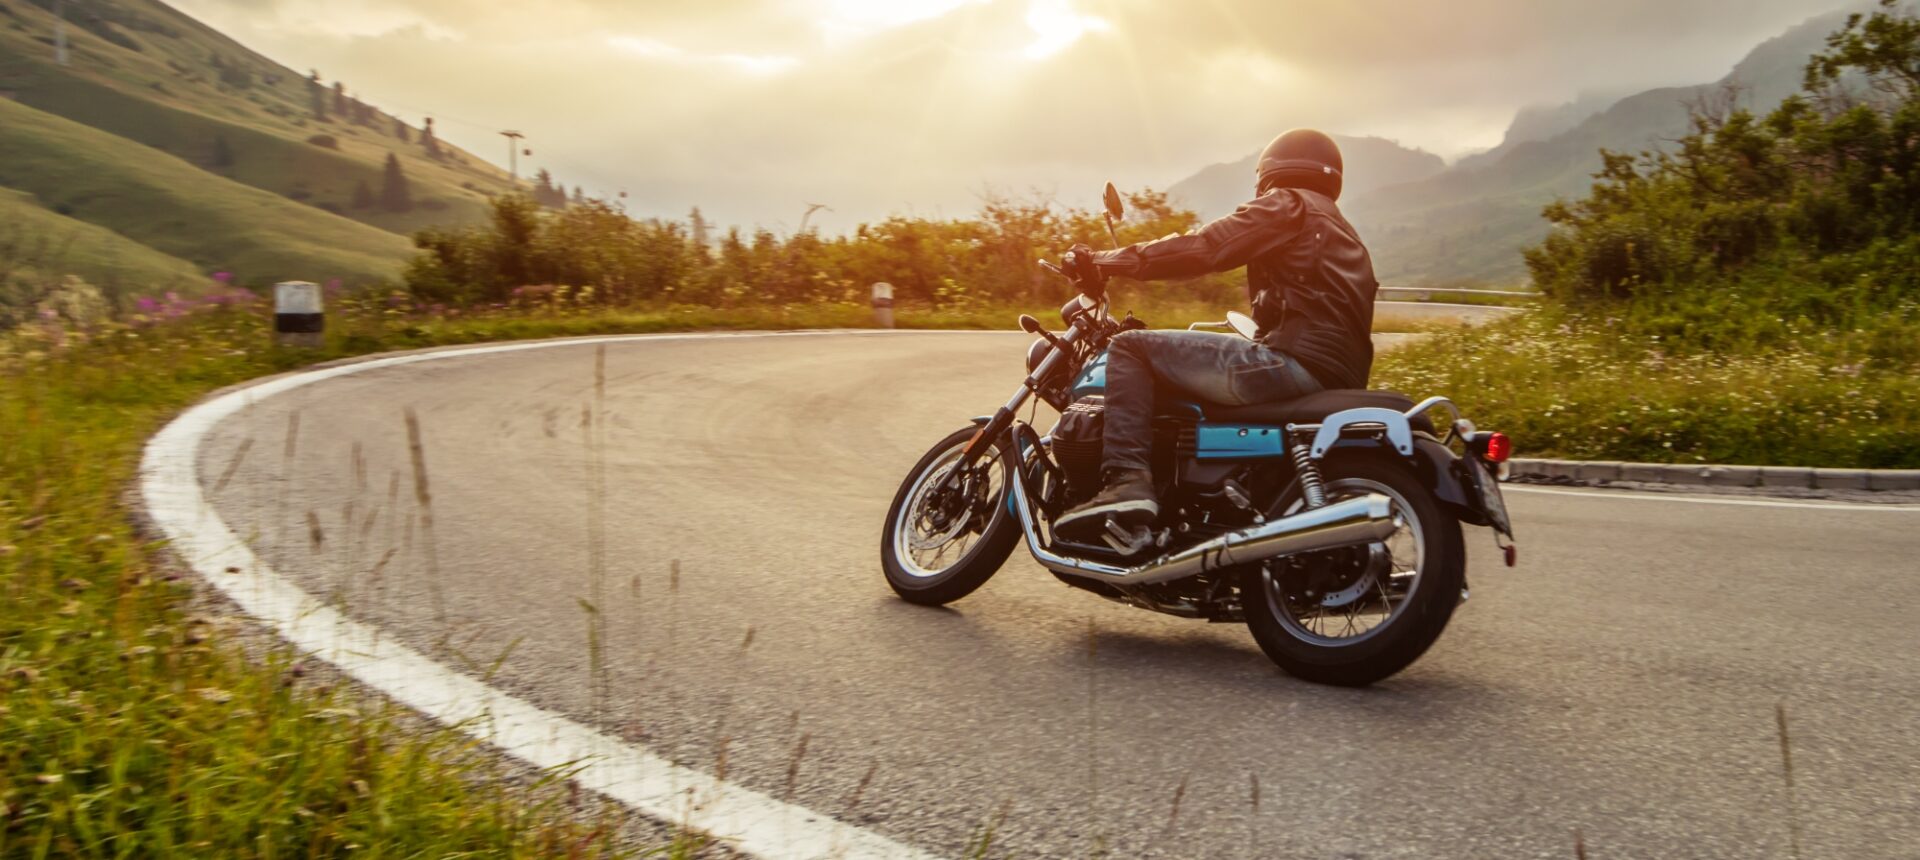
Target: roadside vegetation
(141, 722)
(607, 258)
(1750, 294)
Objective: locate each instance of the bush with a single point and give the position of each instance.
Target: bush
(933, 262)
(1821, 195)
(325, 141)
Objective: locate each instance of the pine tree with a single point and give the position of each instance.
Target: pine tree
(362, 196)
(579, 196)
(340, 98)
(394, 194)
(548, 193)
(222, 152)
(429, 141)
(400, 131)
(319, 92)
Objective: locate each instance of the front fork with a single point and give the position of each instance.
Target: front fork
(982, 440)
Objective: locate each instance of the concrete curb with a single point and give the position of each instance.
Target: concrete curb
(1801, 477)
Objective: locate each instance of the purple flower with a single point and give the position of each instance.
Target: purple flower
(146, 304)
(223, 277)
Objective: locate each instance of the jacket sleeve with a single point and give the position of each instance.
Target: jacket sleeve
(1258, 226)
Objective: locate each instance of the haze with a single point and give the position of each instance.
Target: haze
(751, 109)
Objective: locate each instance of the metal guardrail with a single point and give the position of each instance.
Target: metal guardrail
(1428, 291)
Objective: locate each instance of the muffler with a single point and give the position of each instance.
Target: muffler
(1359, 520)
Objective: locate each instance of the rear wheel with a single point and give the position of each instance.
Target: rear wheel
(944, 538)
(1353, 616)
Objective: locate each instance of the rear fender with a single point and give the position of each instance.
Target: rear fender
(1434, 463)
(1438, 469)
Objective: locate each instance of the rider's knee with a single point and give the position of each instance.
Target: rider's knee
(1134, 342)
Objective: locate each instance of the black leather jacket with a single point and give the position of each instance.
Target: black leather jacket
(1309, 278)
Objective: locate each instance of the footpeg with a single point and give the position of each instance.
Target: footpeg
(1127, 541)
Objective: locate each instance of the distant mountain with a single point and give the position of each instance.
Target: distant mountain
(166, 132)
(1542, 122)
(1472, 220)
(1372, 163)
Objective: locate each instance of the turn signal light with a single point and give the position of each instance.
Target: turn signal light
(1498, 447)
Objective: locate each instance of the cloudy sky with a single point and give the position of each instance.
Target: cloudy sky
(752, 109)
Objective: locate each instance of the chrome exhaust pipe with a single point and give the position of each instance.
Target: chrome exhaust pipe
(1360, 520)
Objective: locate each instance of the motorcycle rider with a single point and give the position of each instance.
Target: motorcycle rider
(1311, 284)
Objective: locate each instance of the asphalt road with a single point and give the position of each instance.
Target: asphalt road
(721, 514)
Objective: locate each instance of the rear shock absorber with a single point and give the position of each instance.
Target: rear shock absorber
(1311, 489)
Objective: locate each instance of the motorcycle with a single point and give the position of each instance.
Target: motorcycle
(1331, 525)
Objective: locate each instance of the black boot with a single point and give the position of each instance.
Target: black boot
(1128, 500)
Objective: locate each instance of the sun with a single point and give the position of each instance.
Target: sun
(1056, 25)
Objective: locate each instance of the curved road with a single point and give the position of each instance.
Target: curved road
(720, 507)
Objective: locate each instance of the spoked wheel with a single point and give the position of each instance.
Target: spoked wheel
(946, 534)
(1355, 615)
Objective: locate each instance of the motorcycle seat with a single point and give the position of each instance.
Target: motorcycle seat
(1316, 407)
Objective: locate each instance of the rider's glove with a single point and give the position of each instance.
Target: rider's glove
(1078, 264)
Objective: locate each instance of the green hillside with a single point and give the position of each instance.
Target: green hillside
(180, 210)
(144, 71)
(37, 245)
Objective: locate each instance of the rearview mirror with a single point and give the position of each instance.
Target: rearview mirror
(1114, 209)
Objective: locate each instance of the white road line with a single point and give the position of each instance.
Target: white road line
(751, 822)
(1633, 496)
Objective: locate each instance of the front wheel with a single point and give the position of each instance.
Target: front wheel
(944, 538)
(1355, 615)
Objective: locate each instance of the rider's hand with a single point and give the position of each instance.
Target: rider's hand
(1078, 264)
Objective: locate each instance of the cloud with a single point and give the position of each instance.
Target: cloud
(759, 64)
(751, 108)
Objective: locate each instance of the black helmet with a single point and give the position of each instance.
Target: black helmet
(1301, 158)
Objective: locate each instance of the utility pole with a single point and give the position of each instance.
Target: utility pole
(60, 32)
(513, 154)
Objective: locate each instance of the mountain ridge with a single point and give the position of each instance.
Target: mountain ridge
(1372, 162)
(1469, 221)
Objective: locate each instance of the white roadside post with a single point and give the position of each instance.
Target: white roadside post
(298, 318)
(883, 304)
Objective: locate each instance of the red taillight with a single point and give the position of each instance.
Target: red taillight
(1498, 447)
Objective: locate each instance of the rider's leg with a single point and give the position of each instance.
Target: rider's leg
(1206, 366)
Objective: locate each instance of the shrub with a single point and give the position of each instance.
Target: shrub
(325, 141)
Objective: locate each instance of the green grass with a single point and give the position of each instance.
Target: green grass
(1569, 386)
(403, 331)
(180, 210)
(132, 726)
(37, 243)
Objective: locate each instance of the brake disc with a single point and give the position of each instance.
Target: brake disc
(940, 533)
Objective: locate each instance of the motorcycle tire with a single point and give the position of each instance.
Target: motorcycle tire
(1404, 635)
(979, 562)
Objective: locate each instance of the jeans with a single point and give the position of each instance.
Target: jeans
(1208, 367)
